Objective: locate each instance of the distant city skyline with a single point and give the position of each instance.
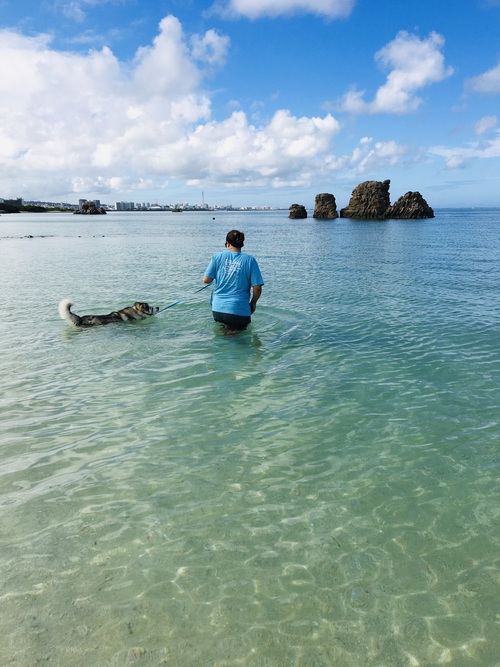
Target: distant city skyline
(138, 206)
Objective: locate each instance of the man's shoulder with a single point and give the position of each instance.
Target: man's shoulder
(218, 255)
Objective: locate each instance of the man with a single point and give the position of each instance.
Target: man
(239, 283)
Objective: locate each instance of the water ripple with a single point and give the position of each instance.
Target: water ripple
(320, 489)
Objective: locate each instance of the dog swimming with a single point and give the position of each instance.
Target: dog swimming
(139, 311)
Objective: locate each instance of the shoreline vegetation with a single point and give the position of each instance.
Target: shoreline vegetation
(28, 208)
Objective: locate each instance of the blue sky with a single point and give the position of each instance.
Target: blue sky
(252, 102)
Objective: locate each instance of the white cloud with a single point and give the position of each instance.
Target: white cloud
(414, 64)
(457, 161)
(485, 125)
(375, 157)
(90, 123)
(166, 68)
(461, 156)
(73, 10)
(487, 83)
(236, 152)
(254, 9)
(211, 47)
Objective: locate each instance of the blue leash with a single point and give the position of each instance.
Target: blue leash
(184, 298)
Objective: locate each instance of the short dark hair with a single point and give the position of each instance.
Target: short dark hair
(235, 238)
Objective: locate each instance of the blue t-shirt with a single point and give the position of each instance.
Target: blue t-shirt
(235, 273)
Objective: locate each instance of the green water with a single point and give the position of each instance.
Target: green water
(319, 490)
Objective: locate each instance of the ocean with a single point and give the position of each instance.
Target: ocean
(320, 490)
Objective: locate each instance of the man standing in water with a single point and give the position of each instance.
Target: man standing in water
(238, 278)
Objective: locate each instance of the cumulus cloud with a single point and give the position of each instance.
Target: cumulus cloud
(414, 64)
(238, 154)
(487, 83)
(254, 9)
(90, 123)
(211, 47)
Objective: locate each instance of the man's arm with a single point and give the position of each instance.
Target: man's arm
(207, 280)
(256, 292)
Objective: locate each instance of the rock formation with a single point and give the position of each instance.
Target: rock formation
(411, 206)
(297, 211)
(89, 208)
(325, 207)
(369, 201)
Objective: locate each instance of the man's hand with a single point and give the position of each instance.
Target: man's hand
(256, 292)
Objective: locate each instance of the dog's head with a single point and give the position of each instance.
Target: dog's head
(145, 308)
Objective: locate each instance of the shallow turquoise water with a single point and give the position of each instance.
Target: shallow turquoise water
(319, 490)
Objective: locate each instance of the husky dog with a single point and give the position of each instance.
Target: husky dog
(138, 311)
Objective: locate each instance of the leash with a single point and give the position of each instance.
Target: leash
(184, 298)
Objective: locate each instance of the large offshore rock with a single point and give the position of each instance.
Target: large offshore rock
(325, 207)
(369, 201)
(411, 206)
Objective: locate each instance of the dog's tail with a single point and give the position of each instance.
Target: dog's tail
(66, 314)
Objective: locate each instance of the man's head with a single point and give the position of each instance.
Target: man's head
(235, 239)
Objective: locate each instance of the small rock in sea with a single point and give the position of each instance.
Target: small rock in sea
(297, 212)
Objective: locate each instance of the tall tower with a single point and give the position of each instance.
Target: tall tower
(202, 199)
